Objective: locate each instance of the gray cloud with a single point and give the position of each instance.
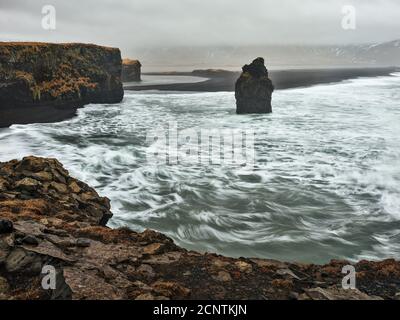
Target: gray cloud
(157, 23)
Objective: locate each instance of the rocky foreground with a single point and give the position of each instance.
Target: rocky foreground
(45, 82)
(50, 218)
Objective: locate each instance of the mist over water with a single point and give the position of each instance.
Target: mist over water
(326, 183)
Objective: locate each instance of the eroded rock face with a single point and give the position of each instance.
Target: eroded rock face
(131, 70)
(58, 75)
(49, 218)
(253, 90)
(43, 185)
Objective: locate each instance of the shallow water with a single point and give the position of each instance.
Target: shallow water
(148, 80)
(326, 181)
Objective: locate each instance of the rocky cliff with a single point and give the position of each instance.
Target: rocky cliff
(54, 79)
(131, 70)
(253, 89)
(48, 218)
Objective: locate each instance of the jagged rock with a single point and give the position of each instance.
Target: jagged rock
(6, 226)
(41, 176)
(244, 266)
(93, 207)
(4, 251)
(4, 286)
(59, 187)
(20, 260)
(223, 276)
(335, 293)
(28, 184)
(54, 78)
(31, 240)
(146, 297)
(170, 289)
(3, 184)
(287, 272)
(131, 70)
(253, 89)
(83, 243)
(74, 187)
(146, 271)
(154, 248)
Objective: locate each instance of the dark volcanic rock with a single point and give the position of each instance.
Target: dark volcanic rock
(253, 90)
(56, 223)
(55, 79)
(6, 226)
(131, 70)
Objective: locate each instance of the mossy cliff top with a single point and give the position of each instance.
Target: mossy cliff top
(130, 62)
(33, 72)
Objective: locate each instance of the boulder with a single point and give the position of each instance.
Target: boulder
(6, 226)
(253, 89)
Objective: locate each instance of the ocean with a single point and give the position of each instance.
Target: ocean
(324, 182)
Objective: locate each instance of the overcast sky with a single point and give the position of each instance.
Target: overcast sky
(156, 23)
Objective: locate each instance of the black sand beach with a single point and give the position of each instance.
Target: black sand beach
(219, 80)
(37, 114)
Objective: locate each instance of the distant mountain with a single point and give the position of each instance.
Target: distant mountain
(387, 53)
(277, 56)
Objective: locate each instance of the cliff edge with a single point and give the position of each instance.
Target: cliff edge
(44, 82)
(50, 220)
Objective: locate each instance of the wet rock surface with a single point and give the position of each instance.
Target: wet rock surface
(253, 89)
(59, 221)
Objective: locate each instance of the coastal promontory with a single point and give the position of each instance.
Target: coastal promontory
(45, 82)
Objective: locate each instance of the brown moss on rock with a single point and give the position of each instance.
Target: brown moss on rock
(33, 74)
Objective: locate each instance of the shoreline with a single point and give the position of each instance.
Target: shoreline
(221, 80)
(217, 81)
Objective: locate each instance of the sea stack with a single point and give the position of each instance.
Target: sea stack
(131, 70)
(253, 90)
